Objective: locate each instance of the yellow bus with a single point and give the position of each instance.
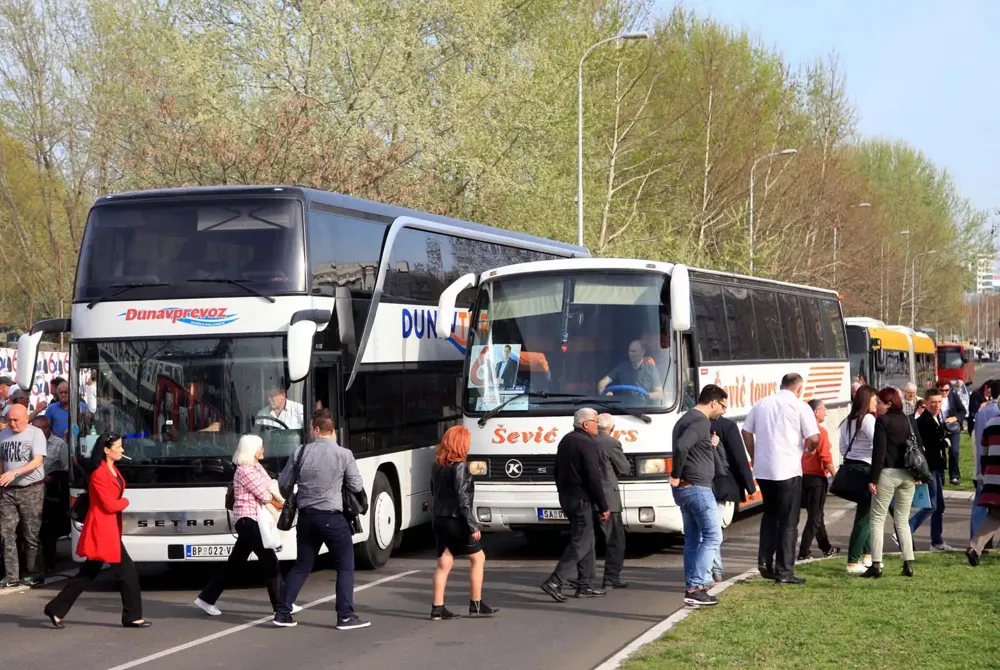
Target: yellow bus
(883, 355)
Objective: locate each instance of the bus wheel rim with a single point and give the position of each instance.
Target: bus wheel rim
(385, 520)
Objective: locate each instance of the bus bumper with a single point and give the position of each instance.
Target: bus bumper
(648, 507)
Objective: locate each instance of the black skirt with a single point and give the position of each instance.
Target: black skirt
(454, 535)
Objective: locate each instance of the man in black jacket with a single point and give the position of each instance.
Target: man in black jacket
(613, 465)
(578, 480)
(733, 479)
(934, 436)
(953, 413)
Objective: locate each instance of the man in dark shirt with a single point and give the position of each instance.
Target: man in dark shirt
(578, 480)
(614, 464)
(733, 479)
(636, 371)
(934, 436)
(692, 477)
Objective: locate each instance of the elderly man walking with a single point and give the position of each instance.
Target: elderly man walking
(909, 399)
(578, 480)
(613, 465)
(22, 495)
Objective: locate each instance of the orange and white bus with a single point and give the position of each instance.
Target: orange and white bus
(547, 334)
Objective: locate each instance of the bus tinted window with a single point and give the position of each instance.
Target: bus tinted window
(768, 324)
(813, 327)
(791, 326)
(740, 318)
(833, 329)
(344, 250)
(710, 322)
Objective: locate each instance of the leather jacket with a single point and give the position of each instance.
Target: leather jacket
(452, 488)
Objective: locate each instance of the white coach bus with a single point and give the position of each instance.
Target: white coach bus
(203, 314)
(550, 337)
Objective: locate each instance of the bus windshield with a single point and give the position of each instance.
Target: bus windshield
(950, 358)
(551, 342)
(187, 402)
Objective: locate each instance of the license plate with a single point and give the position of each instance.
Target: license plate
(207, 550)
(551, 515)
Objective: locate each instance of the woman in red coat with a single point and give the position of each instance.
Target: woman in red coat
(101, 539)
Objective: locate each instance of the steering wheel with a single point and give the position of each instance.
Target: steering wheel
(625, 387)
(262, 421)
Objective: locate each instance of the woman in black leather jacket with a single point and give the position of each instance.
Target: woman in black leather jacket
(455, 525)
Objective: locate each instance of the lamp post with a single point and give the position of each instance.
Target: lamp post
(913, 285)
(642, 35)
(836, 246)
(783, 152)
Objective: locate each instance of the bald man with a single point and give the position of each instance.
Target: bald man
(22, 495)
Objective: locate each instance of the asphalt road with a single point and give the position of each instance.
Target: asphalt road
(531, 631)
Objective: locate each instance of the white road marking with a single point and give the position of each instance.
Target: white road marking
(250, 624)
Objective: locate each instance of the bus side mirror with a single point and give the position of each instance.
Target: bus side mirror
(880, 362)
(680, 299)
(299, 342)
(27, 349)
(446, 304)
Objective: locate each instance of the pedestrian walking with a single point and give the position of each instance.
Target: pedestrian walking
(613, 465)
(932, 435)
(694, 469)
(55, 511)
(321, 470)
(455, 527)
(578, 480)
(890, 479)
(22, 496)
(857, 433)
(733, 479)
(983, 418)
(978, 399)
(254, 492)
(989, 495)
(954, 413)
(776, 431)
(815, 467)
(101, 538)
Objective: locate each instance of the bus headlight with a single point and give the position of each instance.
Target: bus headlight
(478, 468)
(654, 466)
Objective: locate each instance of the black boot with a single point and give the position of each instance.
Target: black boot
(440, 612)
(907, 568)
(873, 572)
(479, 608)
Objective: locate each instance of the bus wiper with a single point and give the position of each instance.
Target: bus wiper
(531, 394)
(613, 405)
(235, 282)
(121, 289)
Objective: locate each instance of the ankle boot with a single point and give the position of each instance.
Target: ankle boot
(907, 568)
(873, 572)
(479, 608)
(440, 612)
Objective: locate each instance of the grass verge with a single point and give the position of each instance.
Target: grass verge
(944, 617)
(965, 466)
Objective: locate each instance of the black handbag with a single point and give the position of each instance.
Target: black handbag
(852, 479)
(355, 504)
(78, 512)
(286, 520)
(914, 459)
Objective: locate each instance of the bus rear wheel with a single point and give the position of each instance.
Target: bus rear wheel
(383, 526)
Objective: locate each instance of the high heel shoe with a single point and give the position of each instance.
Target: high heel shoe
(56, 623)
(907, 568)
(137, 624)
(874, 572)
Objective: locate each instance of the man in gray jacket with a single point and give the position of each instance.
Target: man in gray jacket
(613, 465)
(321, 469)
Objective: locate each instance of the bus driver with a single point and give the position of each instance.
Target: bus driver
(636, 371)
(281, 412)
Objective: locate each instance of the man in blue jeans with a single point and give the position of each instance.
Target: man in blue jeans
(936, 446)
(691, 478)
(321, 469)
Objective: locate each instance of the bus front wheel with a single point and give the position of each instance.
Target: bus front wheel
(374, 552)
(728, 511)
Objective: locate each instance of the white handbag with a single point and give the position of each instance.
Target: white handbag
(268, 525)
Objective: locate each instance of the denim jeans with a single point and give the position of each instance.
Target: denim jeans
(717, 559)
(979, 513)
(936, 489)
(702, 533)
(313, 530)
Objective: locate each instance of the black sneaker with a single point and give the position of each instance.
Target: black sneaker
(832, 551)
(8, 583)
(440, 612)
(618, 584)
(352, 622)
(479, 608)
(766, 571)
(587, 592)
(33, 582)
(283, 620)
(699, 598)
(973, 557)
(554, 591)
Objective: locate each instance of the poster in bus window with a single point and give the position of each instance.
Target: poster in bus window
(494, 373)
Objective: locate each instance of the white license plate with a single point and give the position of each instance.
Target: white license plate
(207, 550)
(551, 515)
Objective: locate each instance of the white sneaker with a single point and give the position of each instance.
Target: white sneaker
(296, 608)
(942, 547)
(210, 610)
(868, 561)
(856, 568)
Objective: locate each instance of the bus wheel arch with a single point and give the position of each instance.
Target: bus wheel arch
(383, 520)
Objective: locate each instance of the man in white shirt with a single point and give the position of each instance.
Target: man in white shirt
(776, 432)
(281, 412)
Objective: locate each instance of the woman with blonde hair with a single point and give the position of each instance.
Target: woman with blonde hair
(254, 492)
(455, 526)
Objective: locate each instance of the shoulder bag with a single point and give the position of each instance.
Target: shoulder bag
(914, 459)
(78, 512)
(291, 507)
(851, 481)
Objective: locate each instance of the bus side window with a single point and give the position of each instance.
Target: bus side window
(689, 393)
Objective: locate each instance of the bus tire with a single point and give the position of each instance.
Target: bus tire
(728, 512)
(383, 526)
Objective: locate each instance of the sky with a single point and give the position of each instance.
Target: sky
(921, 71)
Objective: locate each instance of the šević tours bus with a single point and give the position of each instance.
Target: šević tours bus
(634, 338)
(203, 314)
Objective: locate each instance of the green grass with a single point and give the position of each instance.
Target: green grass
(944, 617)
(965, 466)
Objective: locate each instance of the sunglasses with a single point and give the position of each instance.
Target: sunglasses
(111, 439)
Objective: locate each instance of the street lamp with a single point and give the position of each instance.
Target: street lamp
(913, 285)
(641, 35)
(783, 152)
(836, 246)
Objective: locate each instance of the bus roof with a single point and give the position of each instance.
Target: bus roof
(892, 339)
(338, 200)
(922, 343)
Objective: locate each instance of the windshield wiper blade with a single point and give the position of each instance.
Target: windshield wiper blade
(531, 394)
(613, 405)
(235, 282)
(121, 289)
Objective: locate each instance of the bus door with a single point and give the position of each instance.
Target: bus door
(327, 390)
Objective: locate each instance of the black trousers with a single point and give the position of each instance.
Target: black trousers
(578, 559)
(128, 586)
(779, 524)
(614, 546)
(814, 489)
(248, 541)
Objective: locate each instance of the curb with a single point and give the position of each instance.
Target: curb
(959, 495)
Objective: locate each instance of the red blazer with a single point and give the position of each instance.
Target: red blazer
(101, 539)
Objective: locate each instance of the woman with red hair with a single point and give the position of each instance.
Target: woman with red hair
(455, 525)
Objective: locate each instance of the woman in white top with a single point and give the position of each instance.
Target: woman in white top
(857, 434)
